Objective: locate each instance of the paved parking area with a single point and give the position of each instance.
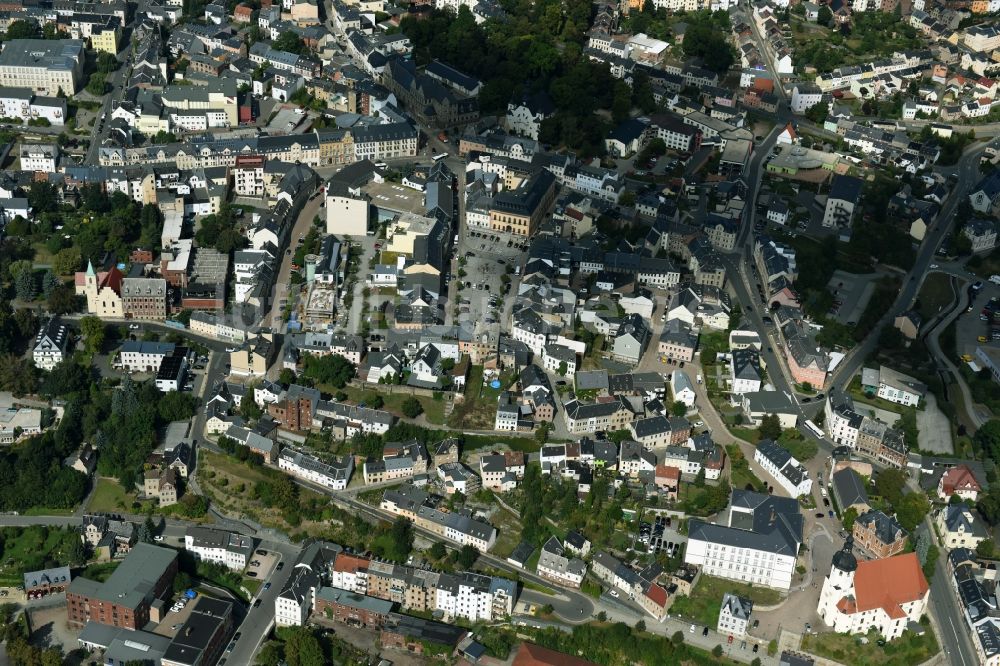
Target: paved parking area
(970, 327)
(853, 291)
(262, 565)
(933, 428)
(488, 255)
(49, 628)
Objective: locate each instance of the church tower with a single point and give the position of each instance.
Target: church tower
(840, 581)
(90, 287)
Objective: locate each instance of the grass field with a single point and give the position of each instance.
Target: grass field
(935, 295)
(802, 448)
(706, 599)
(433, 408)
(110, 497)
(846, 649)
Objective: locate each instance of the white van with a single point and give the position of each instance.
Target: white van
(698, 377)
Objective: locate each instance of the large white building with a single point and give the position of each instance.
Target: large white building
(333, 476)
(46, 67)
(759, 544)
(139, 356)
(786, 470)
(885, 594)
(229, 549)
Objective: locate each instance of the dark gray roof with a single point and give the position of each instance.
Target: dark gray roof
(849, 488)
(759, 521)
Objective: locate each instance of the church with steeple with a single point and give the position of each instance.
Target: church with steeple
(888, 594)
(103, 291)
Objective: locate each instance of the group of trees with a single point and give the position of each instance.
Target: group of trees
(708, 37)
(538, 47)
(333, 369)
(396, 542)
(220, 231)
(909, 507)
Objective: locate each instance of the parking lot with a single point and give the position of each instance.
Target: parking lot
(660, 536)
(481, 295)
(851, 294)
(261, 566)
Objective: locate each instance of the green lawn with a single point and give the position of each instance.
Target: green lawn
(706, 599)
(393, 402)
(802, 448)
(31, 548)
(251, 584)
(904, 651)
(110, 497)
(854, 389)
(935, 295)
(100, 571)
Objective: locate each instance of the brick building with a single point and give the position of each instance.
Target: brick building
(124, 599)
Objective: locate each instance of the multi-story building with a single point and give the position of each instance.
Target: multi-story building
(520, 210)
(51, 344)
(124, 599)
(899, 388)
(39, 157)
(45, 67)
(959, 527)
(608, 415)
(783, 467)
(202, 636)
(734, 615)
(144, 298)
(959, 480)
(845, 194)
(229, 549)
(885, 594)
(759, 544)
(143, 356)
(410, 502)
(466, 595)
(555, 565)
(879, 534)
(334, 475)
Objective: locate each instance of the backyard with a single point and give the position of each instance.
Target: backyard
(434, 407)
(705, 601)
(847, 649)
(34, 548)
(478, 410)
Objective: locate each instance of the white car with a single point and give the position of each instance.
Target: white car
(995, 279)
(230, 350)
(614, 593)
(133, 327)
(158, 537)
(933, 266)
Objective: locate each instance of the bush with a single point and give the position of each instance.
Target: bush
(412, 408)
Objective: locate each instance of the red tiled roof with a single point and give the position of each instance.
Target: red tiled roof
(112, 280)
(350, 563)
(530, 654)
(959, 478)
(888, 584)
(668, 472)
(656, 594)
